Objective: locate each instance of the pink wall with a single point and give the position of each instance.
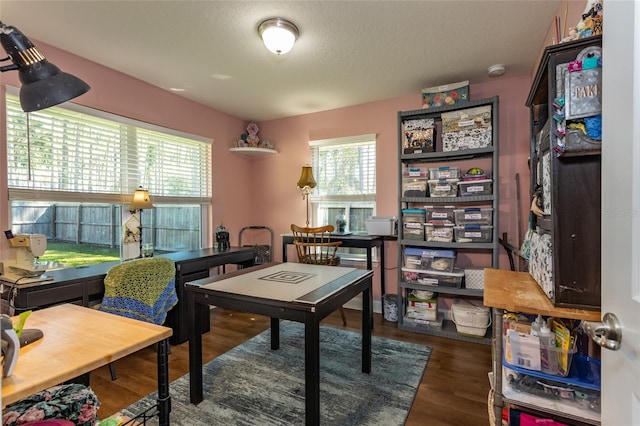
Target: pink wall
(262, 190)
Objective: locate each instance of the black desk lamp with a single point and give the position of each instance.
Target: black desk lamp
(43, 84)
(141, 201)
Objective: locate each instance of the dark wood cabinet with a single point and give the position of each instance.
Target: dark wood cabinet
(565, 173)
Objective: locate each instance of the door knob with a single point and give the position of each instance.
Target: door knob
(607, 334)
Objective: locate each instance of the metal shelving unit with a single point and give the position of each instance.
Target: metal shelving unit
(450, 158)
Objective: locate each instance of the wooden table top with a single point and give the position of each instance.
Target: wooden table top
(76, 340)
(518, 292)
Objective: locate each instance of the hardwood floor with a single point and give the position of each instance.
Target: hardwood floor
(453, 391)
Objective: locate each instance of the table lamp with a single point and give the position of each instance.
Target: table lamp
(306, 183)
(141, 201)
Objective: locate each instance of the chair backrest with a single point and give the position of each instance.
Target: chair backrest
(143, 289)
(314, 245)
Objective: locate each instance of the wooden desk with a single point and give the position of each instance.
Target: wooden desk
(292, 291)
(78, 340)
(368, 242)
(84, 285)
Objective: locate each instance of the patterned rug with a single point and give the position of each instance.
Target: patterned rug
(253, 385)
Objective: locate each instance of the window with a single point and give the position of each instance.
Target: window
(70, 156)
(345, 169)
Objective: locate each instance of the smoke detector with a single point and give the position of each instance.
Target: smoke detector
(496, 70)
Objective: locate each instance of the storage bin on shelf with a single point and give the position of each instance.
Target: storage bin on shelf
(438, 233)
(444, 172)
(471, 317)
(381, 225)
(474, 278)
(419, 136)
(425, 324)
(467, 129)
(446, 94)
(440, 215)
(443, 187)
(414, 187)
(475, 187)
(413, 224)
(420, 308)
(429, 259)
(474, 216)
(433, 278)
(473, 233)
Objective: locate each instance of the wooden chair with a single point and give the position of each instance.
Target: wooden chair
(314, 246)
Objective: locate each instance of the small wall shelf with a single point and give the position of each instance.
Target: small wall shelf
(252, 150)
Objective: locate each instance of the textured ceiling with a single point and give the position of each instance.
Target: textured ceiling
(348, 52)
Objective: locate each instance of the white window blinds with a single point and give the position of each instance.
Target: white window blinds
(67, 153)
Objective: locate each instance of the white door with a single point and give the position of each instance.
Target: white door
(621, 208)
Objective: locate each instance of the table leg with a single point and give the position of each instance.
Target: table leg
(312, 371)
(275, 334)
(367, 318)
(195, 350)
(383, 287)
(164, 399)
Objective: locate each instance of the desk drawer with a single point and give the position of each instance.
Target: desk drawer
(50, 296)
(187, 268)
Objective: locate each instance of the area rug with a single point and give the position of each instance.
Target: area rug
(253, 385)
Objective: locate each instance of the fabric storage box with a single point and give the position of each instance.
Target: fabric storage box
(444, 172)
(445, 95)
(473, 234)
(429, 259)
(440, 215)
(471, 317)
(418, 136)
(434, 278)
(467, 129)
(414, 187)
(475, 187)
(437, 232)
(443, 187)
(413, 224)
(425, 309)
(474, 216)
(381, 225)
(474, 278)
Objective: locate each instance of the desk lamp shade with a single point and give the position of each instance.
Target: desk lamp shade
(306, 178)
(43, 84)
(141, 200)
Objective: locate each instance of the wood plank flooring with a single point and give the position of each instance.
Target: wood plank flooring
(453, 391)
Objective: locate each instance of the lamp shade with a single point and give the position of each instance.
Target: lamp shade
(43, 84)
(306, 178)
(278, 35)
(141, 200)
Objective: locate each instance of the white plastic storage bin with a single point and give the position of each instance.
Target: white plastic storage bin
(381, 225)
(439, 233)
(473, 234)
(413, 224)
(440, 215)
(474, 216)
(444, 172)
(433, 278)
(414, 187)
(476, 187)
(443, 188)
(471, 317)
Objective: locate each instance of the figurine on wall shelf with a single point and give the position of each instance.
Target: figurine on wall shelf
(252, 140)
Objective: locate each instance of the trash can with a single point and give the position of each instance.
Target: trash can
(390, 307)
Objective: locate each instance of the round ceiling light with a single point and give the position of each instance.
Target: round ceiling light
(496, 70)
(278, 35)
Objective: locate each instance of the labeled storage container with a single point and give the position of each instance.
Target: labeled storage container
(381, 225)
(467, 129)
(473, 233)
(443, 187)
(414, 187)
(429, 259)
(438, 233)
(415, 172)
(446, 94)
(440, 215)
(419, 136)
(434, 278)
(413, 224)
(444, 172)
(425, 309)
(471, 317)
(474, 216)
(475, 187)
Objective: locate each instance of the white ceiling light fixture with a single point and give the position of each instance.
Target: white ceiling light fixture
(496, 70)
(278, 35)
